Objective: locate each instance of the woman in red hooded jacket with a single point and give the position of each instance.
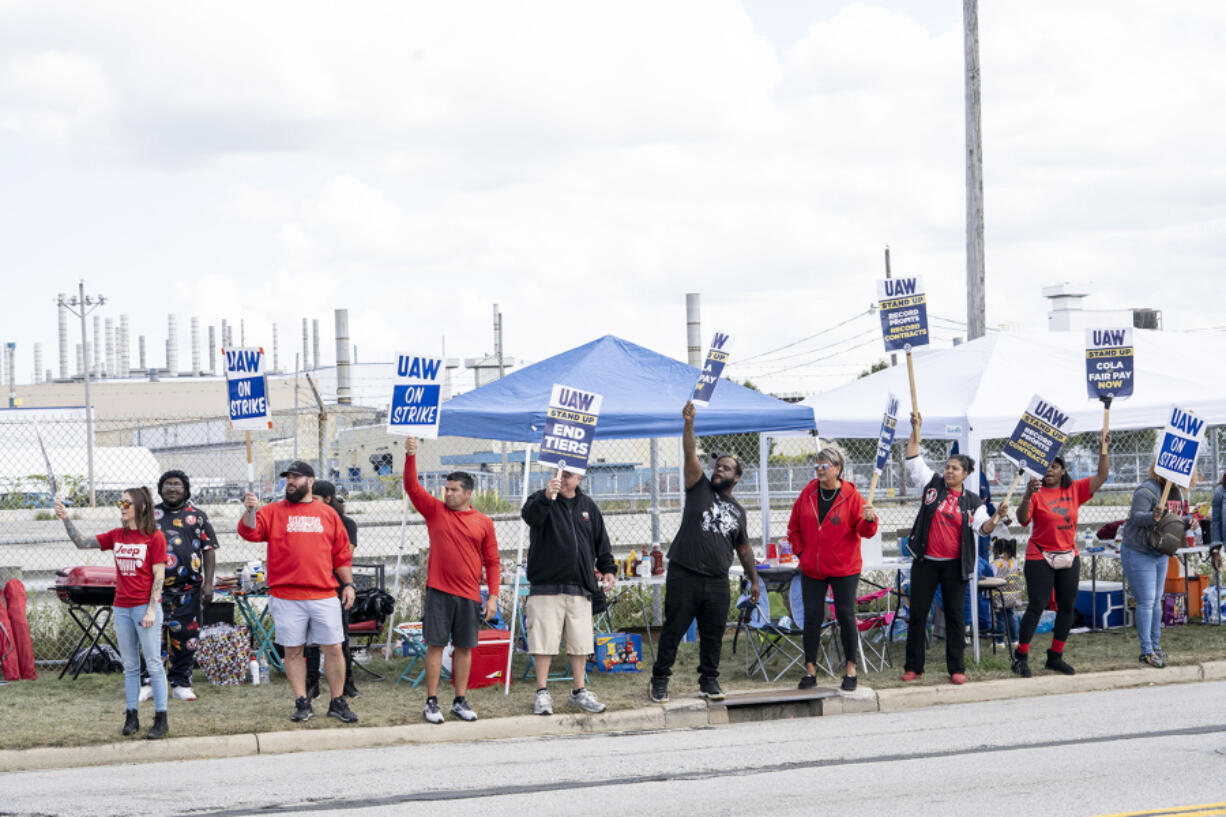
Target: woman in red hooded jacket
(828, 520)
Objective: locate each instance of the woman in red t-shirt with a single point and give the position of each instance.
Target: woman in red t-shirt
(1052, 561)
(140, 568)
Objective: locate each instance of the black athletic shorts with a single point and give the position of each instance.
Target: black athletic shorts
(450, 618)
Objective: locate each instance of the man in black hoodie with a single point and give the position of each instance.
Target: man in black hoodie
(569, 545)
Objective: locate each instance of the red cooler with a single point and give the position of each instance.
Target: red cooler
(489, 659)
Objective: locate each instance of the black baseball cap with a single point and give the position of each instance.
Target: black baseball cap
(300, 468)
(323, 489)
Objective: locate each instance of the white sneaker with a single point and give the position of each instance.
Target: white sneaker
(585, 699)
(543, 704)
(146, 693)
(182, 694)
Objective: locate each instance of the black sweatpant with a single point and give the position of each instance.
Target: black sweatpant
(813, 591)
(926, 576)
(1041, 578)
(688, 596)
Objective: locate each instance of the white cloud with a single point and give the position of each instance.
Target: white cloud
(585, 167)
(50, 94)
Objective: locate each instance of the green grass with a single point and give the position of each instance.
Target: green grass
(52, 712)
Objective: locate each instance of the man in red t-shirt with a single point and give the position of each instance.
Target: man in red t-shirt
(461, 543)
(308, 549)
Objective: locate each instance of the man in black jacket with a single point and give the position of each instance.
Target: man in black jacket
(569, 545)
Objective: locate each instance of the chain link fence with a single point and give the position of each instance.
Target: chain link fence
(637, 484)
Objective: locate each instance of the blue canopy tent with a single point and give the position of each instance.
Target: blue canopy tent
(643, 393)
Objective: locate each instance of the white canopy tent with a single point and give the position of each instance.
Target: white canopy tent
(979, 390)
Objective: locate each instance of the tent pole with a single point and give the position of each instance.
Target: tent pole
(404, 524)
(655, 492)
(519, 555)
(764, 493)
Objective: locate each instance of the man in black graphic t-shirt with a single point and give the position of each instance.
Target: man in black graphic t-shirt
(712, 528)
(190, 560)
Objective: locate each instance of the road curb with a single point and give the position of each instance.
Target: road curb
(682, 714)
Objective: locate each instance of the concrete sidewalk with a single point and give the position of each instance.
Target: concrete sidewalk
(689, 713)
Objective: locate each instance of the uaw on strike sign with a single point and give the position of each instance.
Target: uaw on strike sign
(570, 425)
(1181, 440)
(1038, 438)
(904, 313)
(416, 392)
(248, 389)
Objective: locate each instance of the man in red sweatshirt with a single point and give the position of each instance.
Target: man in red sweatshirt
(461, 542)
(307, 543)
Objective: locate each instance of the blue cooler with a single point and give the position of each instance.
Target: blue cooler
(1109, 606)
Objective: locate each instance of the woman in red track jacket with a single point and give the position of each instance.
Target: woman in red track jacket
(828, 520)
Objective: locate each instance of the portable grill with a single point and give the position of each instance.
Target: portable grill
(84, 587)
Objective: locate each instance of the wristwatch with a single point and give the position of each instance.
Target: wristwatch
(346, 584)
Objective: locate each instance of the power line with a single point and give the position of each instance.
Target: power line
(810, 337)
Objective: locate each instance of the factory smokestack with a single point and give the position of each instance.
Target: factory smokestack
(212, 350)
(125, 347)
(63, 321)
(315, 340)
(693, 329)
(38, 363)
(172, 346)
(195, 346)
(276, 350)
(109, 330)
(342, 358)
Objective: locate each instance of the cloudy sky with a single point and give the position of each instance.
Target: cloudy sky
(586, 165)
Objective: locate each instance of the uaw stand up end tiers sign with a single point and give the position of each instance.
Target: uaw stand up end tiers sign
(416, 392)
(570, 426)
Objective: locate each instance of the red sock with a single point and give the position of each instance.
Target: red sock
(1022, 649)
(1057, 645)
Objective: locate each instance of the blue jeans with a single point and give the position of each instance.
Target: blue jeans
(131, 635)
(1146, 573)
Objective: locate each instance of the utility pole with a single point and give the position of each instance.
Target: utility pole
(976, 318)
(893, 355)
(505, 477)
(321, 428)
(81, 305)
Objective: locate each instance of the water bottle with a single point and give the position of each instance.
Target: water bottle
(264, 670)
(253, 670)
(1088, 544)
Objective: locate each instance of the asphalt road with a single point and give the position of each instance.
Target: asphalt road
(1161, 748)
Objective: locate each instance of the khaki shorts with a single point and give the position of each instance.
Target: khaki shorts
(548, 617)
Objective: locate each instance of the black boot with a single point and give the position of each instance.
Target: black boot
(1055, 660)
(159, 728)
(131, 724)
(1020, 665)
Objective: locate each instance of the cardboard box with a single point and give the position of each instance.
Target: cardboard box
(617, 652)
(1196, 587)
(1174, 609)
(1108, 608)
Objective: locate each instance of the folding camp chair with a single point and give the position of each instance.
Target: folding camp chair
(366, 576)
(409, 634)
(771, 648)
(872, 627)
(829, 649)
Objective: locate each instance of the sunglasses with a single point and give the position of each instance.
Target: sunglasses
(124, 503)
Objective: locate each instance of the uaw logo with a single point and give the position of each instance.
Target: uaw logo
(930, 496)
